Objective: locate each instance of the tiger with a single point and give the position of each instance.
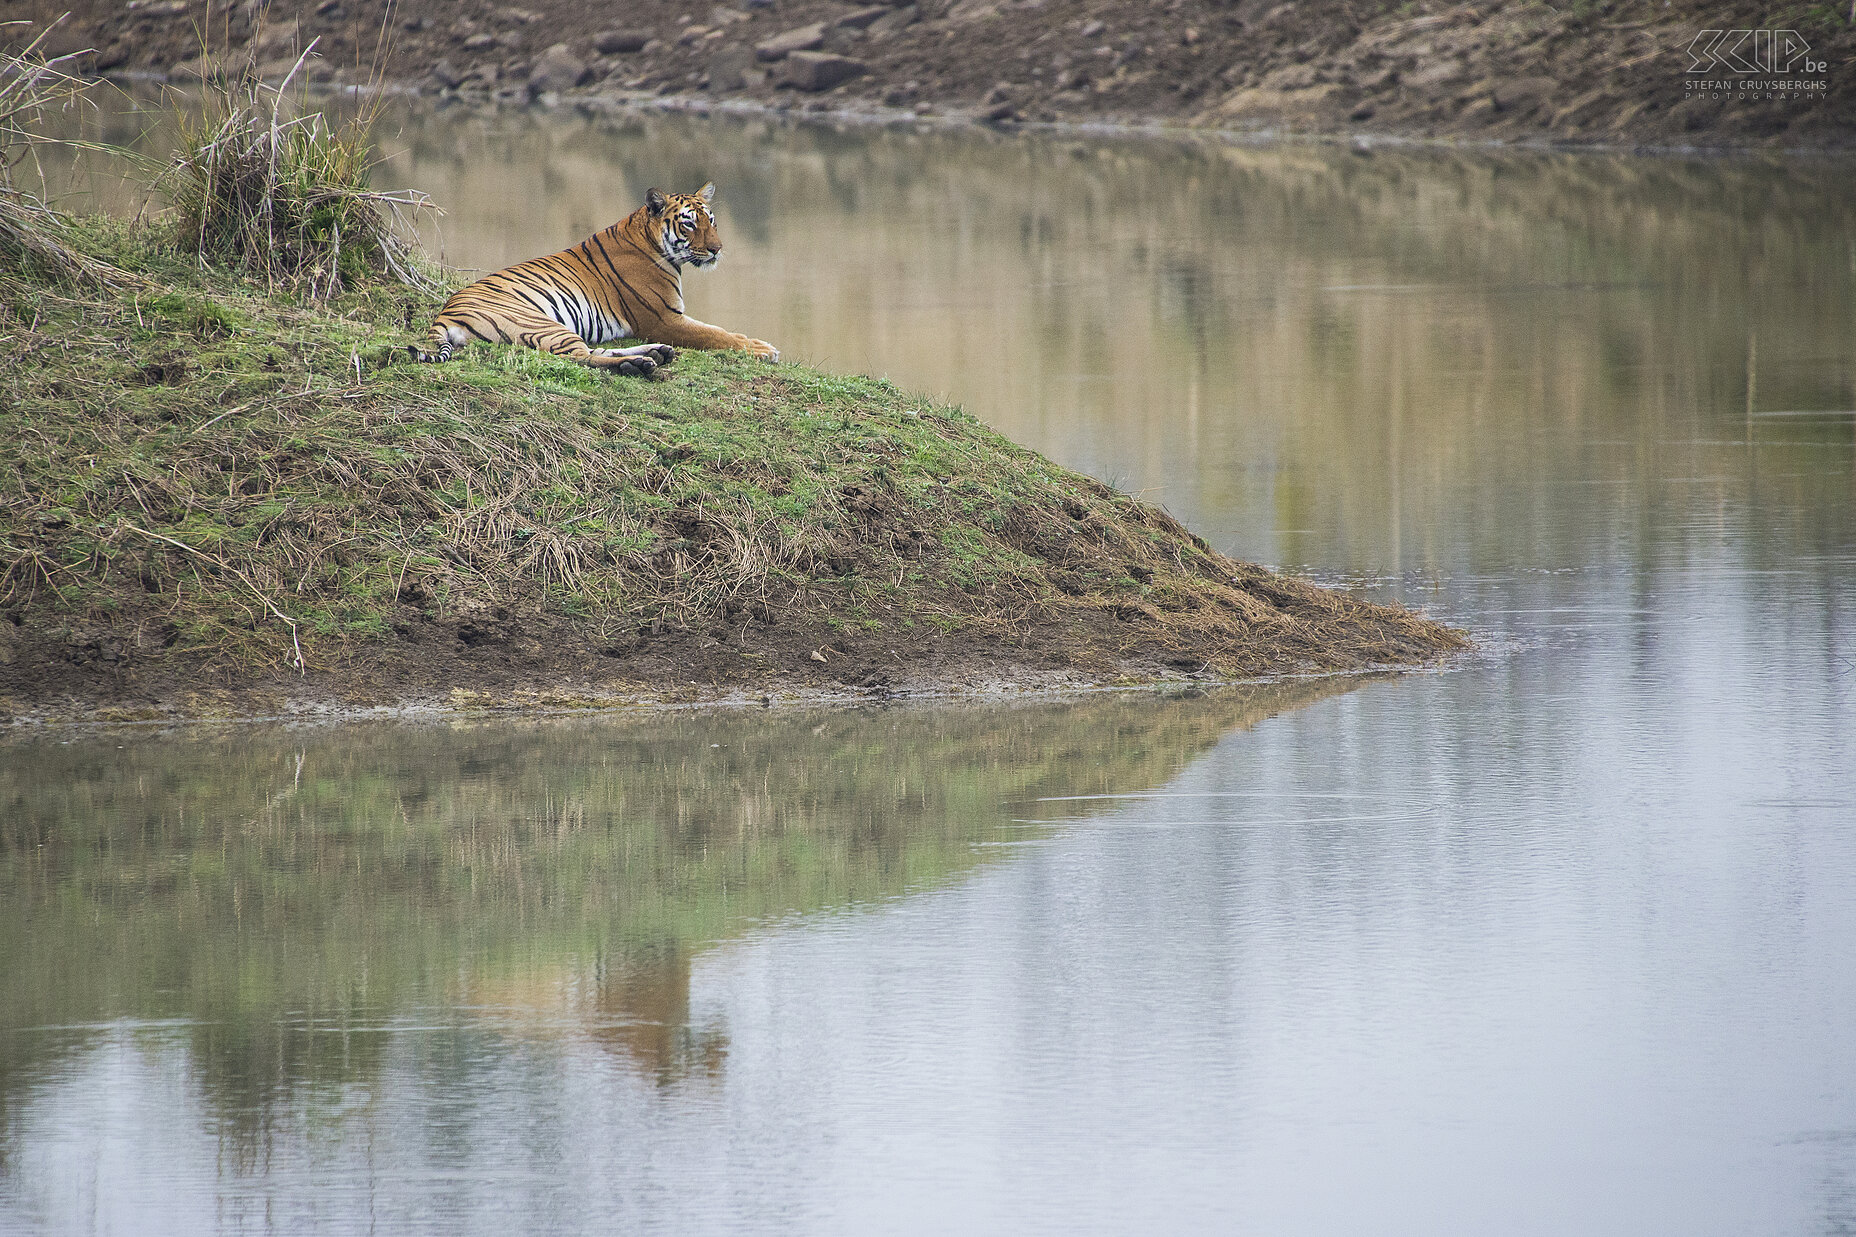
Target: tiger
(624, 281)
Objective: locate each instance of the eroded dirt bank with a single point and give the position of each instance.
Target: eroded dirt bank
(216, 499)
(1511, 70)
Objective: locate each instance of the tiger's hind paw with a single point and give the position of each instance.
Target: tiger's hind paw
(657, 354)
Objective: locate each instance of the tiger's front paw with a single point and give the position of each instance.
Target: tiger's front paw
(663, 354)
(764, 350)
(637, 366)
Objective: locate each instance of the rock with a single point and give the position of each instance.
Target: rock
(730, 66)
(1001, 113)
(816, 71)
(903, 95)
(842, 40)
(1094, 28)
(894, 21)
(1001, 93)
(557, 69)
(479, 42)
(446, 76)
(803, 39)
(862, 19)
(620, 42)
(1515, 93)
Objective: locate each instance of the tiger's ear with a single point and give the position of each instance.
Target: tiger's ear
(707, 192)
(654, 201)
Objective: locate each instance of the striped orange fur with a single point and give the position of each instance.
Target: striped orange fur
(623, 282)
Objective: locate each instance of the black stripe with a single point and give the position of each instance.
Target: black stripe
(594, 301)
(585, 310)
(517, 291)
(655, 258)
(550, 287)
(554, 309)
(637, 300)
(520, 289)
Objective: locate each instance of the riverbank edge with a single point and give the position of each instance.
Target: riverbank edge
(623, 103)
(1130, 130)
(255, 708)
(219, 500)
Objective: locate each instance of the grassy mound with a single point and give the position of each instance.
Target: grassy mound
(203, 488)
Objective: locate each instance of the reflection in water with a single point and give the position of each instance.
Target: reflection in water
(292, 898)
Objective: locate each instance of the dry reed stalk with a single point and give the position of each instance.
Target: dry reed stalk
(286, 197)
(31, 85)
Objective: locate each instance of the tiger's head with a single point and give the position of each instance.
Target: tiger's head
(684, 226)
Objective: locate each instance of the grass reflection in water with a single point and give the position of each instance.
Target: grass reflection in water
(297, 896)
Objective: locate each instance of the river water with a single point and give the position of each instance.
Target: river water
(1559, 939)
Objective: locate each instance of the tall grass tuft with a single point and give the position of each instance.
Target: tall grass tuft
(285, 197)
(31, 85)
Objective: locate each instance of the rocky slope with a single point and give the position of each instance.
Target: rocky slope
(1513, 70)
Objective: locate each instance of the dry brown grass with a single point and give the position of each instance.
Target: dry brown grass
(267, 184)
(32, 85)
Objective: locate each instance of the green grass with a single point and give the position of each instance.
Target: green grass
(195, 468)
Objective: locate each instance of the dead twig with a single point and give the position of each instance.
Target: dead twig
(243, 579)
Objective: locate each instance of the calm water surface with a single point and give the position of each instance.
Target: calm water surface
(1562, 939)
